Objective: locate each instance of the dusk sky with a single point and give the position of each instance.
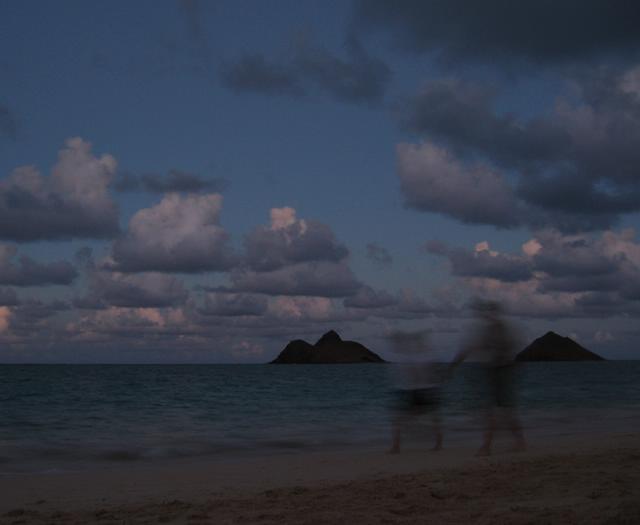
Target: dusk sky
(186, 181)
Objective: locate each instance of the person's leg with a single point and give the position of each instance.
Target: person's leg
(516, 429)
(490, 428)
(395, 437)
(437, 428)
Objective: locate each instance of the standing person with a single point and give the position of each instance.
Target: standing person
(418, 384)
(495, 344)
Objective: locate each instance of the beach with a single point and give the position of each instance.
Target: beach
(591, 478)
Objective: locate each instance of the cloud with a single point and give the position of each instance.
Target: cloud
(144, 290)
(74, 202)
(233, 304)
(358, 78)
(173, 181)
(483, 262)
(34, 321)
(462, 115)
(497, 32)
(293, 256)
(289, 240)
(367, 297)
(26, 272)
(433, 180)
(302, 308)
(138, 326)
(317, 278)
(404, 305)
(578, 275)
(8, 297)
(574, 168)
(179, 234)
(8, 126)
(378, 254)
(253, 73)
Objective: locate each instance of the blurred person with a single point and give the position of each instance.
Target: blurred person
(418, 385)
(495, 345)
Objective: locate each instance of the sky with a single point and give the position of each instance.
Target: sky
(203, 181)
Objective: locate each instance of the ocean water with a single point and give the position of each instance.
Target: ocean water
(65, 416)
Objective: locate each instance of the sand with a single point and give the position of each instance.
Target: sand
(591, 479)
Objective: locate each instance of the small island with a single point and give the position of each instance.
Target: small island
(554, 347)
(329, 349)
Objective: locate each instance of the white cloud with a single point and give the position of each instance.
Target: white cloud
(74, 202)
(433, 180)
(532, 247)
(179, 234)
(289, 240)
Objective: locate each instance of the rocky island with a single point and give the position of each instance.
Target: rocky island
(554, 347)
(329, 349)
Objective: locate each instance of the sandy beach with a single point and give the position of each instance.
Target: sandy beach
(590, 479)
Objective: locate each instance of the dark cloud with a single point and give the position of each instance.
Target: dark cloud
(574, 169)
(367, 297)
(569, 275)
(580, 256)
(482, 262)
(293, 256)
(462, 115)
(179, 234)
(24, 271)
(173, 181)
(74, 202)
(433, 180)
(233, 304)
(146, 290)
(320, 279)
(289, 240)
(255, 74)
(604, 304)
(8, 126)
(542, 32)
(587, 264)
(405, 305)
(8, 297)
(358, 78)
(34, 320)
(35, 309)
(378, 254)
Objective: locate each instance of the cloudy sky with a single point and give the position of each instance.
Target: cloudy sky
(193, 181)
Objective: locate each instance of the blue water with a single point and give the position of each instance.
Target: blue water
(62, 415)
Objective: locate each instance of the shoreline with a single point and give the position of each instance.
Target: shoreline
(282, 485)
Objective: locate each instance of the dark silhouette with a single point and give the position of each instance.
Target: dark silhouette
(418, 387)
(554, 347)
(329, 349)
(495, 345)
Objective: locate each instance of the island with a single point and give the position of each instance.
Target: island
(554, 347)
(329, 349)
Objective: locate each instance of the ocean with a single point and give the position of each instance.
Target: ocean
(69, 416)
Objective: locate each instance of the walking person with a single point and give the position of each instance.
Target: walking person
(495, 345)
